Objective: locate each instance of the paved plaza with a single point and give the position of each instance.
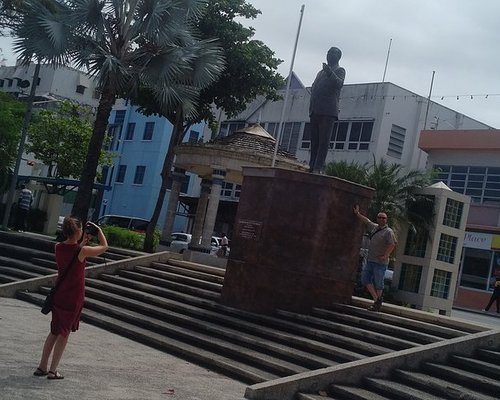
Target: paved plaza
(97, 365)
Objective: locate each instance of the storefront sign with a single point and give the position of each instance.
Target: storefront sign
(495, 243)
(478, 240)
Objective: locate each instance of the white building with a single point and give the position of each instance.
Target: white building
(52, 84)
(376, 119)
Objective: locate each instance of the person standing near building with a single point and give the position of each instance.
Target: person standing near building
(382, 242)
(23, 207)
(324, 107)
(495, 296)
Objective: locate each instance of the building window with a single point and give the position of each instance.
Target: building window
(355, 135)
(120, 175)
(193, 137)
(409, 280)
(227, 128)
(113, 139)
(339, 136)
(120, 117)
(9, 82)
(1, 82)
(148, 131)
(80, 89)
(38, 81)
(476, 269)
(140, 170)
(447, 248)
(453, 213)
(416, 243)
(272, 129)
(396, 142)
(441, 284)
(184, 186)
(130, 131)
(482, 184)
(290, 136)
(230, 190)
(306, 137)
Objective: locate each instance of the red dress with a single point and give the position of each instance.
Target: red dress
(70, 295)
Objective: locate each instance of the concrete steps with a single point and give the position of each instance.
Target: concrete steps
(460, 377)
(176, 307)
(25, 256)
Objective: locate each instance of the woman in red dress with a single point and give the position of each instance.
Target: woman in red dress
(70, 295)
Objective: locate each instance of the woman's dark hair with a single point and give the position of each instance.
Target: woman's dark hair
(70, 226)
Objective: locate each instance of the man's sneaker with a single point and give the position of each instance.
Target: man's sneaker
(376, 305)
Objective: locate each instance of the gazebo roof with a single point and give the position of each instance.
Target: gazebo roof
(251, 146)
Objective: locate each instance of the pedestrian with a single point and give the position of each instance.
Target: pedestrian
(23, 207)
(495, 296)
(224, 243)
(69, 297)
(382, 242)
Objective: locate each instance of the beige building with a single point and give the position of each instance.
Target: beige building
(468, 162)
(427, 264)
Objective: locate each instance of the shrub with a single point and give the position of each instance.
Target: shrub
(127, 239)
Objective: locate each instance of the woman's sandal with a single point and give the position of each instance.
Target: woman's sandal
(40, 372)
(54, 375)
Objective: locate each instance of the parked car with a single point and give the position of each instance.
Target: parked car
(133, 223)
(180, 242)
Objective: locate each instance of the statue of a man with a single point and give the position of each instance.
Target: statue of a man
(324, 107)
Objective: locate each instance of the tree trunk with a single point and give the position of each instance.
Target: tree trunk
(84, 194)
(177, 136)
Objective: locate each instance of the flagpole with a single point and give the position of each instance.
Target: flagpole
(387, 60)
(425, 118)
(289, 80)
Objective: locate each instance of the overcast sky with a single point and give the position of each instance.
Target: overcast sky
(459, 39)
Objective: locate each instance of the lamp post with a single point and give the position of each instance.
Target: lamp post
(20, 150)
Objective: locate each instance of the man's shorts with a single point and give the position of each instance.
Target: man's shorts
(373, 272)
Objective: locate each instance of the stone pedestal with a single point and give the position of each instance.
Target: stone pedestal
(295, 243)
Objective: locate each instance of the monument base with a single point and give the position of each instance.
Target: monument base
(295, 243)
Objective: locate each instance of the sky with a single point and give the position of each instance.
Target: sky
(458, 39)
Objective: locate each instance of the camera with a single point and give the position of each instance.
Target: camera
(91, 229)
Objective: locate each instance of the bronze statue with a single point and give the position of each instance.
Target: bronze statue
(324, 107)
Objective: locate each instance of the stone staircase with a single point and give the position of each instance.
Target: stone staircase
(173, 305)
(25, 256)
(461, 377)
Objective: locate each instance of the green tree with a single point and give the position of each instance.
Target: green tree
(11, 121)
(250, 71)
(60, 138)
(124, 45)
(396, 190)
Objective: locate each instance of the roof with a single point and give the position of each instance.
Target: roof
(256, 130)
(478, 139)
(252, 139)
(440, 185)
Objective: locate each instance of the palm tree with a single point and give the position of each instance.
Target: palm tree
(396, 190)
(125, 45)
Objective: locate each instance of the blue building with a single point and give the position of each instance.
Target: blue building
(139, 144)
